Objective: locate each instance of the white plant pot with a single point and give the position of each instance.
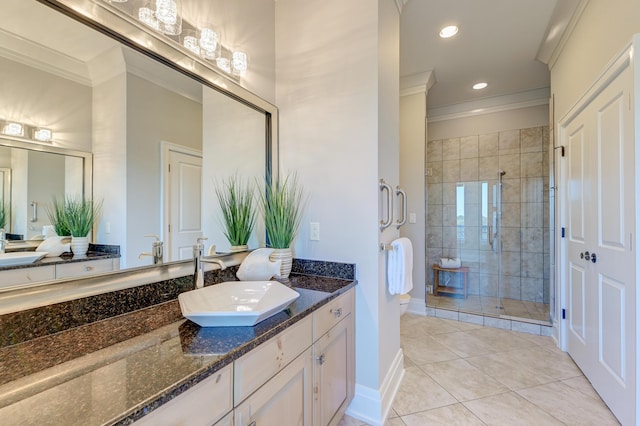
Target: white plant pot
(79, 245)
(286, 256)
(238, 249)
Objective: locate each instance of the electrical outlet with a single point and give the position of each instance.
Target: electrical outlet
(314, 231)
(107, 228)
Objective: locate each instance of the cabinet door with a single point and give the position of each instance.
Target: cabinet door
(333, 370)
(285, 400)
(203, 404)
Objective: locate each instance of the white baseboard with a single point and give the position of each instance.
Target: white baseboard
(417, 307)
(374, 405)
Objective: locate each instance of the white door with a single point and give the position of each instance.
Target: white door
(184, 204)
(600, 261)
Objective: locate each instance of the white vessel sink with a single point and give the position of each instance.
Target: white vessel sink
(20, 258)
(235, 303)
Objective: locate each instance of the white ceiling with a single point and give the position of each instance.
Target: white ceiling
(498, 43)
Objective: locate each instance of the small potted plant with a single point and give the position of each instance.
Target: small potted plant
(79, 216)
(238, 213)
(282, 206)
(56, 216)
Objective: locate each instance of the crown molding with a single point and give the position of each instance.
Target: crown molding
(417, 83)
(564, 19)
(490, 105)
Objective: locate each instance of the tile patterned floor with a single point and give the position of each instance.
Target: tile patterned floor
(463, 374)
(491, 306)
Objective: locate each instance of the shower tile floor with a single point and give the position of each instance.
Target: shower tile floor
(489, 305)
(463, 374)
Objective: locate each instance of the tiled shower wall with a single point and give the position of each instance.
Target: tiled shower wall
(459, 168)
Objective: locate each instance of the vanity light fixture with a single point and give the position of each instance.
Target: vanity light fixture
(480, 86)
(239, 63)
(12, 128)
(209, 43)
(190, 41)
(25, 131)
(43, 135)
(449, 31)
(224, 62)
(169, 16)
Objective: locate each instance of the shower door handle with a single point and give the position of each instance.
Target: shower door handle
(385, 187)
(403, 219)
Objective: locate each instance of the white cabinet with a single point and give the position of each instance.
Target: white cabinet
(12, 277)
(334, 368)
(88, 267)
(285, 400)
(253, 369)
(209, 401)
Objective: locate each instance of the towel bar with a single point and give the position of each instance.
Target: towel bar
(385, 247)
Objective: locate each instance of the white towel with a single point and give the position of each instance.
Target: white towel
(450, 262)
(400, 266)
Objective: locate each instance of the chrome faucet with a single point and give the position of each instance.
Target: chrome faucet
(198, 273)
(199, 259)
(3, 240)
(157, 250)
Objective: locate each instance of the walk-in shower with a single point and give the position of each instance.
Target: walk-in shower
(487, 205)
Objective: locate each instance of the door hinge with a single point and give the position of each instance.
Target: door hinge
(169, 167)
(169, 228)
(564, 314)
(562, 233)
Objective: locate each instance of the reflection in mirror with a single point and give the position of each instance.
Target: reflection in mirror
(31, 179)
(132, 114)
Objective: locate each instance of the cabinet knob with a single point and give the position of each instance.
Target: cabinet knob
(88, 268)
(320, 359)
(337, 312)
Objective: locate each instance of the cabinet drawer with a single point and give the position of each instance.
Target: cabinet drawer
(253, 369)
(332, 313)
(203, 404)
(26, 275)
(78, 269)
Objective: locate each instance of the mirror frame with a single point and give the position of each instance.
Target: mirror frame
(87, 157)
(123, 28)
(126, 30)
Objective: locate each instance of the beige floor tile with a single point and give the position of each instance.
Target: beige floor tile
(464, 343)
(462, 380)
(510, 371)
(425, 350)
(425, 326)
(509, 409)
(539, 340)
(419, 392)
(408, 362)
(583, 385)
(502, 340)
(396, 421)
(569, 405)
(451, 415)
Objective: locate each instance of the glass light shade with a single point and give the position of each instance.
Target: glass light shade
(169, 16)
(147, 16)
(449, 31)
(209, 43)
(42, 134)
(224, 62)
(190, 41)
(13, 129)
(480, 86)
(239, 63)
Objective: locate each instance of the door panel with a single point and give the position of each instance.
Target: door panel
(601, 220)
(185, 201)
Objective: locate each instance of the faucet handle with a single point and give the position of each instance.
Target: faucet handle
(201, 239)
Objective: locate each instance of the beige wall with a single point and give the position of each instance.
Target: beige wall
(604, 29)
(488, 123)
(413, 109)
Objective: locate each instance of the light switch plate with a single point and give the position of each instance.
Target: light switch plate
(314, 231)
(412, 218)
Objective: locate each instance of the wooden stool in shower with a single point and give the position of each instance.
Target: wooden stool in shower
(437, 288)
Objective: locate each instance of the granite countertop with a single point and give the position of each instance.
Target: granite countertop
(115, 370)
(96, 252)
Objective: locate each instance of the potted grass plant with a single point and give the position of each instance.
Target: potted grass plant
(56, 217)
(282, 207)
(79, 216)
(238, 219)
(4, 215)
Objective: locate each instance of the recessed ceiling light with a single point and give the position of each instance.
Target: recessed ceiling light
(480, 86)
(449, 31)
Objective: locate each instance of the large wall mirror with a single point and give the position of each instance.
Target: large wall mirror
(132, 110)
